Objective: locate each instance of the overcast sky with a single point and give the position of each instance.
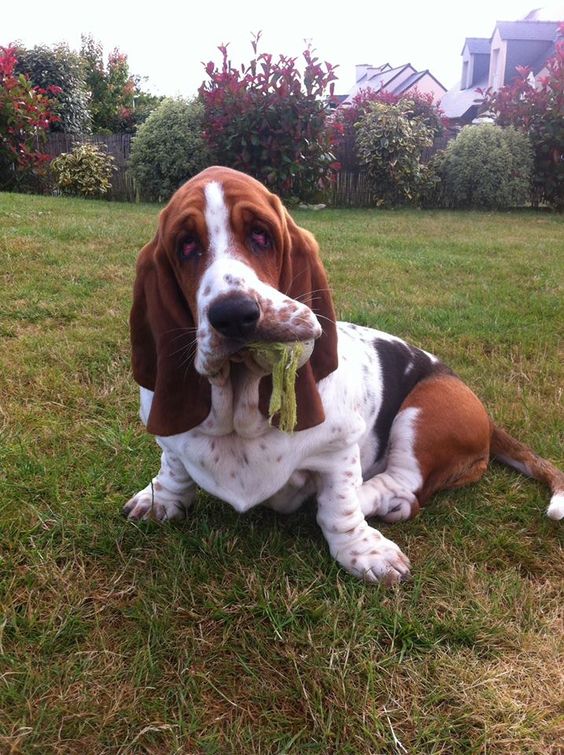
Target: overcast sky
(167, 41)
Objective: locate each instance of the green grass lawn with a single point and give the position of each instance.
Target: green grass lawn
(239, 634)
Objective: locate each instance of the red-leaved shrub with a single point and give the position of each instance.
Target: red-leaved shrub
(269, 120)
(25, 114)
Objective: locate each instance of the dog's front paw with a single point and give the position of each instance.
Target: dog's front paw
(149, 503)
(374, 558)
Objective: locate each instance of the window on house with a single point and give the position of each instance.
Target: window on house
(494, 76)
(464, 75)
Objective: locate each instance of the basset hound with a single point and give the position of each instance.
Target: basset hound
(382, 425)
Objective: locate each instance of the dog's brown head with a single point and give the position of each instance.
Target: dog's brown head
(227, 266)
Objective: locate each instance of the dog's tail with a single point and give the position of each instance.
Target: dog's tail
(517, 455)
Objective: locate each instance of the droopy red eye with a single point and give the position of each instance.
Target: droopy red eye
(260, 238)
(189, 247)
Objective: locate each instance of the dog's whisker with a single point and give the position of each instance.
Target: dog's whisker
(309, 294)
(188, 329)
(183, 348)
(189, 356)
(324, 317)
(294, 279)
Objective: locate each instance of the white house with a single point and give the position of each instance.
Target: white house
(492, 63)
(399, 80)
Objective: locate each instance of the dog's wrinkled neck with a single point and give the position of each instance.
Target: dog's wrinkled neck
(235, 404)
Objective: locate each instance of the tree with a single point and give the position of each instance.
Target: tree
(143, 105)
(26, 113)
(390, 141)
(118, 103)
(59, 66)
(537, 110)
(268, 119)
(111, 88)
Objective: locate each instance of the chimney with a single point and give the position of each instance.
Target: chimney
(361, 69)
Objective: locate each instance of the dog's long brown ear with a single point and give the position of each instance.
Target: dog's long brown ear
(309, 284)
(162, 336)
(303, 277)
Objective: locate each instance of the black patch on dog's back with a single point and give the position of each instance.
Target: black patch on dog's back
(403, 366)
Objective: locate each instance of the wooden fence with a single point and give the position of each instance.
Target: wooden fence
(350, 189)
(116, 145)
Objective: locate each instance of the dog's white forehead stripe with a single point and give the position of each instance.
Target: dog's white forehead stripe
(217, 219)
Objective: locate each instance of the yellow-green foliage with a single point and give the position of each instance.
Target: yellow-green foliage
(84, 172)
(486, 167)
(284, 360)
(390, 141)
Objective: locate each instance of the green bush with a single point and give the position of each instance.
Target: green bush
(84, 172)
(169, 149)
(390, 141)
(485, 167)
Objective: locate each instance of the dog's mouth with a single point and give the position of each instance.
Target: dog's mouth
(258, 358)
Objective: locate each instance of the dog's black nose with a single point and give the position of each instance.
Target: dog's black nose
(234, 317)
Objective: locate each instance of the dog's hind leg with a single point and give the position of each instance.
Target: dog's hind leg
(439, 439)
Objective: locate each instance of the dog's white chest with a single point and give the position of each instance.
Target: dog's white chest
(241, 471)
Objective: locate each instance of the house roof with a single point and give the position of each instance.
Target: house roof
(412, 81)
(371, 71)
(409, 82)
(456, 102)
(537, 65)
(477, 45)
(376, 77)
(534, 43)
(336, 99)
(383, 67)
(542, 31)
(383, 78)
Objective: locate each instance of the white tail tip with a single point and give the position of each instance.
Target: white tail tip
(556, 508)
